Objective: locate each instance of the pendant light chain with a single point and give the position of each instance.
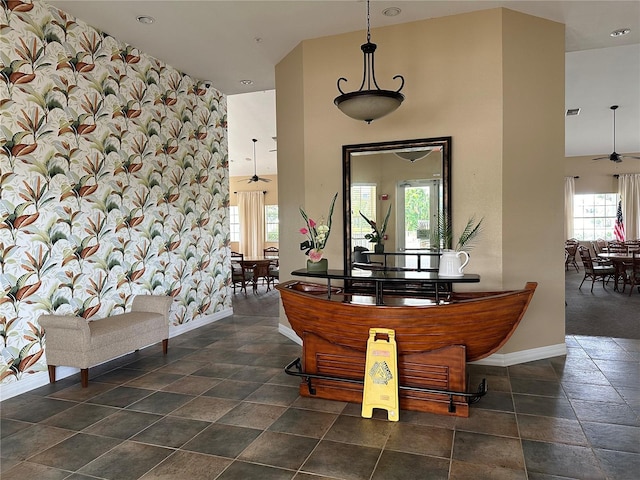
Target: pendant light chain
(368, 23)
(255, 167)
(614, 127)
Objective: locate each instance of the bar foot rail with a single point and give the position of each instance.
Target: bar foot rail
(472, 397)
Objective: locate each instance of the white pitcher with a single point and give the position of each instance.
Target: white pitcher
(451, 264)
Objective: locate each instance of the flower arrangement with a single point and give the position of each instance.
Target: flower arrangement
(444, 233)
(378, 234)
(317, 233)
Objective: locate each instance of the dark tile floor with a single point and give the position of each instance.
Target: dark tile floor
(219, 406)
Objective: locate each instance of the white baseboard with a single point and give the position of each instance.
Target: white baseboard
(176, 330)
(40, 379)
(508, 359)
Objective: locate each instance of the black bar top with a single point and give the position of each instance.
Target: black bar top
(388, 276)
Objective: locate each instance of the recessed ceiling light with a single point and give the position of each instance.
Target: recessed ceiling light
(246, 82)
(146, 19)
(619, 32)
(391, 11)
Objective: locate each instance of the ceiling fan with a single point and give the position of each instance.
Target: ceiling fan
(255, 177)
(615, 157)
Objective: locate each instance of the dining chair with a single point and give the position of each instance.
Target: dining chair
(274, 266)
(632, 246)
(616, 247)
(633, 274)
(241, 274)
(593, 271)
(571, 248)
(597, 248)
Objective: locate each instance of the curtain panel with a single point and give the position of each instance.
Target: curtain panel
(569, 192)
(629, 191)
(251, 216)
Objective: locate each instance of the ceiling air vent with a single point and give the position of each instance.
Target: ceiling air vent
(573, 111)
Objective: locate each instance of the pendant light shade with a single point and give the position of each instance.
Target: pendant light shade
(372, 103)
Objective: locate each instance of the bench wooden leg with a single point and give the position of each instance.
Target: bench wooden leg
(52, 374)
(165, 345)
(84, 377)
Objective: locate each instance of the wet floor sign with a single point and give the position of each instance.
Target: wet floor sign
(381, 375)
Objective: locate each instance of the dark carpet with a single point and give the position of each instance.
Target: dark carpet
(262, 303)
(603, 313)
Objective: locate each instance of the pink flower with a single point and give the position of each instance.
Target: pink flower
(315, 255)
(312, 224)
(304, 231)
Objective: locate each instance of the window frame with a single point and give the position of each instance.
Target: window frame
(234, 223)
(268, 224)
(594, 215)
(359, 226)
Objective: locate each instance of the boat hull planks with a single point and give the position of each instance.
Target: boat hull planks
(434, 341)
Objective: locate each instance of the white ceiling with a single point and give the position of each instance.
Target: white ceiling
(256, 35)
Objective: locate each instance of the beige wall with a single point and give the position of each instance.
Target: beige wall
(533, 183)
(494, 82)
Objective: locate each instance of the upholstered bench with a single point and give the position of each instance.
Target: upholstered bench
(75, 342)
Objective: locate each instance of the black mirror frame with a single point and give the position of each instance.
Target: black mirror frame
(347, 150)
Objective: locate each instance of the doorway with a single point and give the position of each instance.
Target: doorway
(416, 216)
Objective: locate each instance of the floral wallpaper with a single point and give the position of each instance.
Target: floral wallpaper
(113, 182)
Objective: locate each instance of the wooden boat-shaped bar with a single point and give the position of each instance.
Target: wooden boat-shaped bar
(434, 341)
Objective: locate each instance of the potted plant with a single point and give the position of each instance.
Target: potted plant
(443, 234)
(377, 235)
(317, 234)
(451, 265)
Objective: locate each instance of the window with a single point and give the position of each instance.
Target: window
(234, 223)
(363, 199)
(594, 216)
(271, 223)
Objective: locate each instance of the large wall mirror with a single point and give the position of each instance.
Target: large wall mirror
(408, 178)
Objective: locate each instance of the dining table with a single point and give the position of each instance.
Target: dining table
(620, 262)
(260, 266)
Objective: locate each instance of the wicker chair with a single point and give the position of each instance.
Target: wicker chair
(633, 274)
(241, 274)
(571, 248)
(274, 265)
(594, 271)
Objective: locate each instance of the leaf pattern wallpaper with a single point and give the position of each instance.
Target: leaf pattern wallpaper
(113, 182)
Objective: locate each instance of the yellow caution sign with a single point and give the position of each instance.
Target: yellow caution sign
(381, 375)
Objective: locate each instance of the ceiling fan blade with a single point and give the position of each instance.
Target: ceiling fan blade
(601, 158)
(265, 179)
(629, 156)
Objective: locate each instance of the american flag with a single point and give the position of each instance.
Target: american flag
(618, 228)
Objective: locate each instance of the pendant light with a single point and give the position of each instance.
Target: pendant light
(372, 103)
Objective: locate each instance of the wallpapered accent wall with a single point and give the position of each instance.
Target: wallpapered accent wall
(113, 182)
